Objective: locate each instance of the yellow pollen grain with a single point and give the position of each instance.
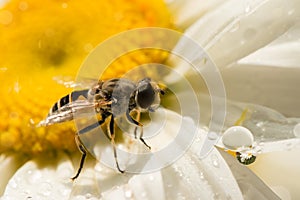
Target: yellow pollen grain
(51, 39)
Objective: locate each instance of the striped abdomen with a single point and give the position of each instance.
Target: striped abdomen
(64, 101)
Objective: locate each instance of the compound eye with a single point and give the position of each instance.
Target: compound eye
(145, 96)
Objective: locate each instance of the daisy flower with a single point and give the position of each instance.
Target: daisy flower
(253, 46)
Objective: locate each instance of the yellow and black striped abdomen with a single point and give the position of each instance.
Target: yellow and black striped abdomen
(64, 101)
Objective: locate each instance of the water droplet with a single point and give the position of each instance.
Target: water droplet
(128, 193)
(237, 136)
(215, 161)
(259, 124)
(235, 27)
(202, 175)
(64, 5)
(297, 130)
(88, 196)
(6, 17)
(45, 189)
(212, 135)
(33, 176)
(151, 178)
(247, 9)
(23, 5)
(13, 184)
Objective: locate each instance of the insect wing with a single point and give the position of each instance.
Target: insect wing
(76, 109)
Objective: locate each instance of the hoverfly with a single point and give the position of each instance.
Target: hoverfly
(110, 99)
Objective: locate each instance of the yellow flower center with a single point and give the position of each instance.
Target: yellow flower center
(43, 43)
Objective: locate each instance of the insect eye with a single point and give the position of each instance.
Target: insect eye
(145, 95)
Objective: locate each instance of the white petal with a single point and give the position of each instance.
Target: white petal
(186, 12)
(41, 182)
(8, 166)
(280, 170)
(237, 28)
(273, 87)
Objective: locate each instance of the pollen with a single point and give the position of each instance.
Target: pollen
(42, 41)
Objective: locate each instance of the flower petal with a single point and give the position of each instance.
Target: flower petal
(186, 12)
(235, 29)
(40, 182)
(8, 166)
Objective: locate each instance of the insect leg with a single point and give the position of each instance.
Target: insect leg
(138, 117)
(83, 152)
(138, 124)
(112, 140)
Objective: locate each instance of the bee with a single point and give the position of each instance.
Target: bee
(110, 99)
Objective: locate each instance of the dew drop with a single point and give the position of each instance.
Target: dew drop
(88, 196)
(45, 189)
(215, 161)
(151, 178)
(64, 5)
(128, 193)
(212, 135)
(23, 5)
(235, 27)
(297, 130)
(202, 175)
(33, 177)
(247, 9)
(13, 184)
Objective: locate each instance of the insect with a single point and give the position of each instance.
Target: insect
(110, 99)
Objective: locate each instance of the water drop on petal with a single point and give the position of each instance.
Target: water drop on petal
(297, 130)
(237, 136)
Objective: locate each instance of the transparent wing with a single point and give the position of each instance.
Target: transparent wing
(69, 82)
(76, 109)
